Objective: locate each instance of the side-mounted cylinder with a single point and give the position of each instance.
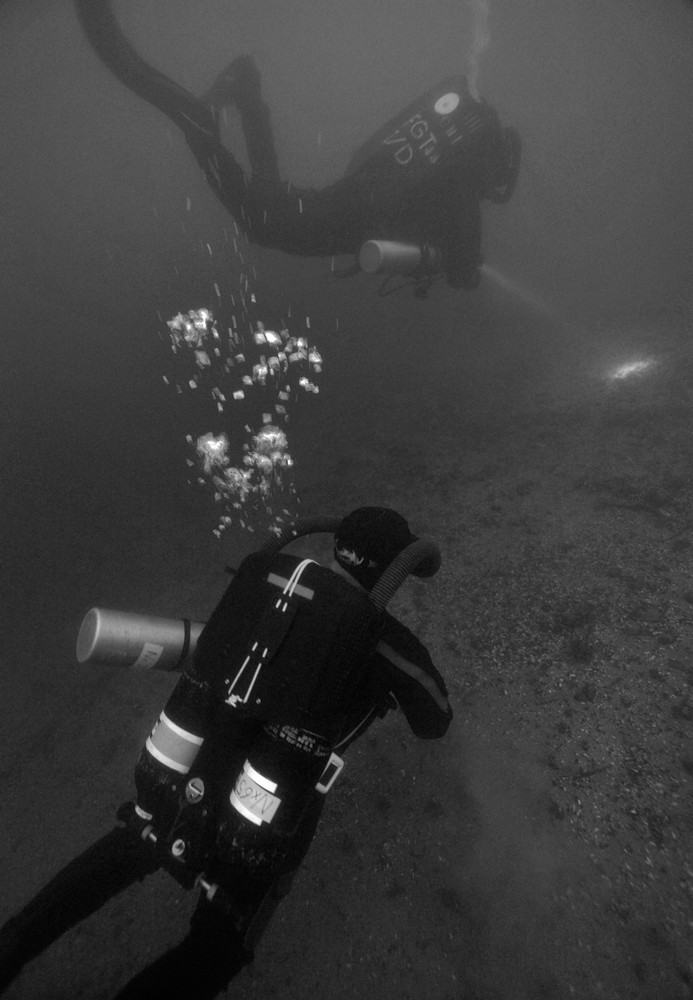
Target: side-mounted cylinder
(391, 257)
(143, 642)
(171, 749)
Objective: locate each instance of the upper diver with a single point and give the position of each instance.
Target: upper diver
(419, 180)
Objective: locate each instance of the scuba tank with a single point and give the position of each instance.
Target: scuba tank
(391, 257)
(444, 129)
(443, 147)
(420, 139)
(419, 263)
(243, 747)
(143, 642)
(302, 689)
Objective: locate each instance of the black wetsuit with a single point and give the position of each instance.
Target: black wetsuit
(440, 207)
(220, 941)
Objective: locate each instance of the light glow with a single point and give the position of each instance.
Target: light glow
(631, 368)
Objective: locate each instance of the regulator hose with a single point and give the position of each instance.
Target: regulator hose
(422, 558)
(304, 526)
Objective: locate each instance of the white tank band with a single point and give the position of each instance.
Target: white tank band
(172, 746)
(183, 733)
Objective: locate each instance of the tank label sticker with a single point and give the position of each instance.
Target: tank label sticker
(149, 657)
(253, 801)
(446, 104)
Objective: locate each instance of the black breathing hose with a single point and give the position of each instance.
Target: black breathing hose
(422, 558)
(304, 526)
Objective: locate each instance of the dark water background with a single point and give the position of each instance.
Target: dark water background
(105, 225)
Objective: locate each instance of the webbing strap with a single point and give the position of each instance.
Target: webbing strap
(273, 626)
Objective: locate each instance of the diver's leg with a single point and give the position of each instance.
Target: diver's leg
(82, 887)
(190, 114)
(241, 78)
(114, 49)
(224, 933)
(201, 966)
(239, 85)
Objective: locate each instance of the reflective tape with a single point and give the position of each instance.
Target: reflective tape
(252, 796)
(283, 582)
(264, 782)
(173, 746)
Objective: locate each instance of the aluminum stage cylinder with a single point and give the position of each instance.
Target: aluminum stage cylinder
(124, 639)
(388, 257)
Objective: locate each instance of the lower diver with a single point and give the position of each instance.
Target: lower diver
(295, 663)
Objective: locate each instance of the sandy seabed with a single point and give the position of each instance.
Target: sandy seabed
(542, 850)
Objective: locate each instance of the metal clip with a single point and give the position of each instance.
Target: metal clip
(330, 774)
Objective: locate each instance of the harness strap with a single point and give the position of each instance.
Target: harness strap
(273, 627)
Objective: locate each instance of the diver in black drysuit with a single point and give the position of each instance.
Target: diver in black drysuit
(419, 180)
(254, 874)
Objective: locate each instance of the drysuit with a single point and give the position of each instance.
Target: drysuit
(420, 179)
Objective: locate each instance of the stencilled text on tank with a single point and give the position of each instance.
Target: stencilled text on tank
(413, 138)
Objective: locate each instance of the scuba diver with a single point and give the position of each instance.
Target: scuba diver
(409, 199)
(296, 662)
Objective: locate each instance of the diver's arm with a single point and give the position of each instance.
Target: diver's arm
(406, 670)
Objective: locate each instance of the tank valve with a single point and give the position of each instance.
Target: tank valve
(194, 790)
(178, 848)
(209, 888)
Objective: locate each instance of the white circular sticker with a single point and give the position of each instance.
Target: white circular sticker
(446, 104)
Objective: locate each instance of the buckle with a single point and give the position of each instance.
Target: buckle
(330, 773)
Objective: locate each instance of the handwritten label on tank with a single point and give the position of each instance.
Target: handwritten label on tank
(253, 801)
(149, 657)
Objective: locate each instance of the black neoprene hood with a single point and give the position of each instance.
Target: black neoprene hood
(368, 539)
